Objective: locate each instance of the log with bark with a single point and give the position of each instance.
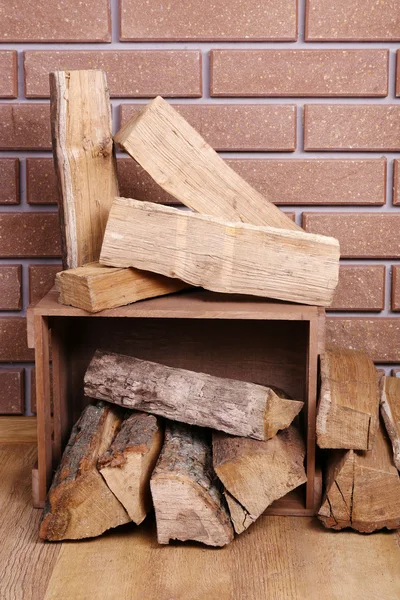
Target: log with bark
(235, 407)
(79, 503)
(256, 473)
(348, 411)
(185, 166)
(362, 488)
(95, 287)
(187, 501)
(221, 256)
(390, 410)
(129, 462)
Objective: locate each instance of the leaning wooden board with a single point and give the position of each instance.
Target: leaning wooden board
(221, 256)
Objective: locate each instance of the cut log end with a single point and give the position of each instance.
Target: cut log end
(279, 413)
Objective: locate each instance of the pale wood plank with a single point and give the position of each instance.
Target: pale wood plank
(18, 430)
(390, 410)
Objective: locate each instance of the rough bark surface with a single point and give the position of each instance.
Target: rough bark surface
(79, 503)
(236, 407)
(187, 501)
(390, 410)
(129, 462)
(348, 410)
(362, 489)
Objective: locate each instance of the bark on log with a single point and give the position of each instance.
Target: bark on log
(362, 489)
(348, 411)
(236, 407)
(79, 503)
(187, 501)
(255, 473)
(220, 255)
(390, 410)
(129, 462)
(95, 287)
(185, 166)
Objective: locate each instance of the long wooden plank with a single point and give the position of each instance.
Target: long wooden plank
(390, 410)
(221, 256)
(184, 165)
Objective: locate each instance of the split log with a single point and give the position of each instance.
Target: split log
(95, 287)
(362, 489)
(129, 462)
(390, 410)
(348, 411)
(79, 503)
(236, 407)
(220, 256)
(184, 165)
(84, 160)
(187, 501)
(255, 473)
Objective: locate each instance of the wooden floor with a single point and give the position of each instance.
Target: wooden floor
(279, 558)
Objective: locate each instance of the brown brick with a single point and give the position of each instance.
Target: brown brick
(41, 183)
(299, 72)
(396, 288)
(25, 127)
(357, 20)
(379, 337)
(130, 73)
(12, 391)
(360, 288)
(9, 181)
(67, 21)
(202, 21)
(10, 287)
(246, 127)
(8, 73)
(29, 234)
(361, 235)
(396, 181)
(41, 280)
(395, 372)
(352, 127)
(13, 340)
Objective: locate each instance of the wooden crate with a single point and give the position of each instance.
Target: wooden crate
(244, 338)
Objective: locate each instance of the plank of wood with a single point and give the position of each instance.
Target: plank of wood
(348, 411)
(236, 407)
(187, 502)
(26, 564)
(129, 462)
(390, 411)
(282, 558)
(18, 430)
(185, 166)
(84, 161)
(219, 255)
(95, 287)
(362, 488)
(79, 503)
(256, 473)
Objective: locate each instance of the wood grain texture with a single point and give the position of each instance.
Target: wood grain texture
(18, 430)
(95, 287)
(185, 166)
(187, 501)
(390, 411)
(129, 462)
(236, 407)
(84, 161)
(220, 255)
(348, 411)
(362, 489)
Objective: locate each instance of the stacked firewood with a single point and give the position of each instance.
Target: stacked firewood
(211, 454)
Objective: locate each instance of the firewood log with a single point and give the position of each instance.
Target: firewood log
(255, 473)
(79, 503)
(390, 410)
(348, 411)
(362, 488)
(129, 462)
(187, 501)
(236, 407)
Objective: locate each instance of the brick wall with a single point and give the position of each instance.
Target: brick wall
(302, 100)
